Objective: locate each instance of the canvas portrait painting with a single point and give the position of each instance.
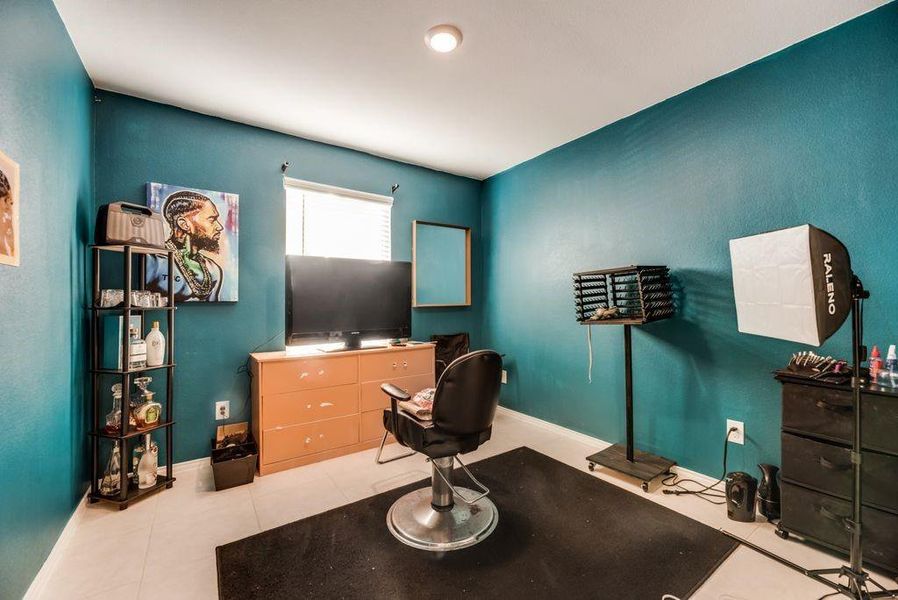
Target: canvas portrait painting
(9, 211)
(201, 226)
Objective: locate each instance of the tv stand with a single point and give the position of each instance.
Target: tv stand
(315, 406)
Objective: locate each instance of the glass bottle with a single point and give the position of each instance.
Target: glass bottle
(114, 417)
(145, 410)
(147, 467)
(112, 477)
(138, 453)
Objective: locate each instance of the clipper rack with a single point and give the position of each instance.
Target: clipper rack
(626, 296)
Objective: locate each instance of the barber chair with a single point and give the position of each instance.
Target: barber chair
(445, 516)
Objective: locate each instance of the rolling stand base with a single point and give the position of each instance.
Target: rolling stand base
(645, 466)
(859, 585)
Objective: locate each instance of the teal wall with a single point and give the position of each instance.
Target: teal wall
(45, 125)
(139, 141)
(807, 135)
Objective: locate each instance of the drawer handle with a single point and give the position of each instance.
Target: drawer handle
(828, 514)
(308, 441)
(303, 375)
(827, 464)
(326, 404)
(395, 365)
(321, 372)
(839, 408)
(405, 364)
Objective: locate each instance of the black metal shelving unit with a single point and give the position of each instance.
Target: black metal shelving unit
(627, 296)
(128, 491)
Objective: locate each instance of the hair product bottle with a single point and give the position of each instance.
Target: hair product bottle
(155, 346)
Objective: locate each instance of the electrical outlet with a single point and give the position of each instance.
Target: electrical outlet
(738, 436)
(504, 376)
(222, 410)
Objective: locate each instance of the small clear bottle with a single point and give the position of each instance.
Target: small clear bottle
(114, 417)
(111, 483)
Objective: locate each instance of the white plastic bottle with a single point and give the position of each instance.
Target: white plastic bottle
(155, 346)
(147, 467)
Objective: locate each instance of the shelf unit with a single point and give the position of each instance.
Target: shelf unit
(128, 491)
(635, 295)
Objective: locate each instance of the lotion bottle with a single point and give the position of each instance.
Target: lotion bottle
(155, 346)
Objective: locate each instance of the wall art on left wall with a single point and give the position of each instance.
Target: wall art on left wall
(201, 226)
(10, 244)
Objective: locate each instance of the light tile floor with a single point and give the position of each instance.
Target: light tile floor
(163, 547)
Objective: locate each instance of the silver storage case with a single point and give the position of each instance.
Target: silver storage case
(126, 223)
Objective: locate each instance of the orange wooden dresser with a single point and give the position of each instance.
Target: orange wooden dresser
(314, 406)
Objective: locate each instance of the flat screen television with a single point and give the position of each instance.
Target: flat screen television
(347, 300)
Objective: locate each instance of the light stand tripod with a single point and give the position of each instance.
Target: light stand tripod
(859, 583)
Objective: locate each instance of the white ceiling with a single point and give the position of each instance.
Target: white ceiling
(530, 75)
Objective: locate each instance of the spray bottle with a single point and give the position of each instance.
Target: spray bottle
(875, 364)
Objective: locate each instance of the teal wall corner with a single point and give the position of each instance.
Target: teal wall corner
(806, 135)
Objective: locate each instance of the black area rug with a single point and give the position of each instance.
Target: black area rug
(562, 533)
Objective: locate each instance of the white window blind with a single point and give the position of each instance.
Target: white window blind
(330, 221)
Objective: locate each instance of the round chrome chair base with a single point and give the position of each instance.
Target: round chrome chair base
(414, 522)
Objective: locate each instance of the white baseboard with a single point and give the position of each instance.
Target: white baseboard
(593, 441)
(39, 583)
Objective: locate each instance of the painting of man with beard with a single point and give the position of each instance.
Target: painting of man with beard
(202, 231)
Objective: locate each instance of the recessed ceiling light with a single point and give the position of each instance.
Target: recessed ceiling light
(443, 38)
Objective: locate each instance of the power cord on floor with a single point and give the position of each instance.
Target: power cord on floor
(708, 493)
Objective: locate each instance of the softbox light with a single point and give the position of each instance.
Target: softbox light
(792, 284)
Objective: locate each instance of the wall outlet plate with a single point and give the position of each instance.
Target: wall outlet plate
(738, 436)
(222, 410)
(504, 376)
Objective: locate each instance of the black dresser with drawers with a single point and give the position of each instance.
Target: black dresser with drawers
(816, 471)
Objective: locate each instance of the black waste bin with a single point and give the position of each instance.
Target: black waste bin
(234, 465)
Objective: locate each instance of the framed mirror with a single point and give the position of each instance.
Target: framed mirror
(441, 264)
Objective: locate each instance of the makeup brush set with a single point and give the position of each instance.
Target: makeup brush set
(811, 365)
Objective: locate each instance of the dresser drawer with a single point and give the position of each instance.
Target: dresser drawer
(387, 365)
(293, 408)
(372, 425)
(828, 413)
(307, 374)
(821, 516)
(299, 440)
(373, 397)
(827, 467)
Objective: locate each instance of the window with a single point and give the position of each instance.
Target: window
(330, 221)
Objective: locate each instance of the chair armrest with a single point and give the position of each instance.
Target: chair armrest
(394, 392)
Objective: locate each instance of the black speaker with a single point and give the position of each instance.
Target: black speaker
(741, 492)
